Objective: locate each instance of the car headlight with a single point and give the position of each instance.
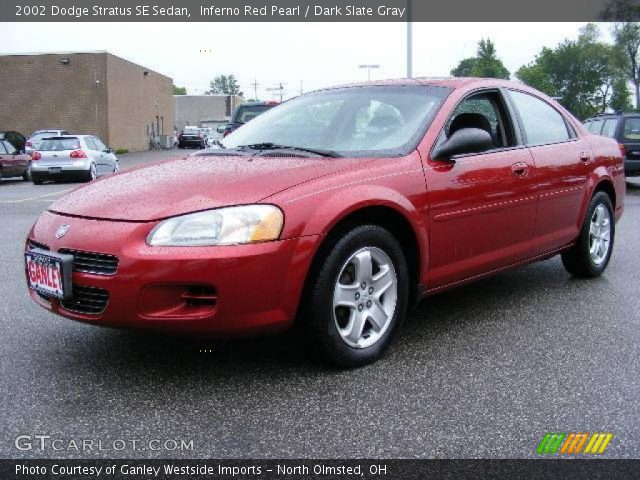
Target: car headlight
(222, 226)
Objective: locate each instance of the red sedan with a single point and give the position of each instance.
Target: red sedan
(338, 209)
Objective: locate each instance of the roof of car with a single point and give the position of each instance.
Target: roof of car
(613, 115)
(450, 82)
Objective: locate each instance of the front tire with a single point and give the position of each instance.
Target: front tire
(590, 255)
(356, 296)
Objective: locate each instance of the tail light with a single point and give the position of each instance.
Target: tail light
(227, 131)
(36, 156)
(28, 144)
(623, 151)
(78, 154)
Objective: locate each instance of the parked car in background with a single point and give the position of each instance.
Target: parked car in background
(245, 113)
(625, 129)
(12, 162)
(67, 157)
(33, 142)
(14, 138)
(191, 137)
(338, 210)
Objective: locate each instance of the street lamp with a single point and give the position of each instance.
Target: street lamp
(369, 67)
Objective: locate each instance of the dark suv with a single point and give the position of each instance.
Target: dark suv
(625, 128)
(246, 112)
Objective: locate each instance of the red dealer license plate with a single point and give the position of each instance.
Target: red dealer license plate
(49, 274)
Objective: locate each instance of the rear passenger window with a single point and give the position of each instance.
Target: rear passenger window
(609, 127)
(631, 128)
(90, 143)
(10, 149)
(3, 151)
(541, 122)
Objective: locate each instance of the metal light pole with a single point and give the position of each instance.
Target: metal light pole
(369, 67)
(409, 40)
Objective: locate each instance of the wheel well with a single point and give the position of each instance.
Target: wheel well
(395, 223)
(607, 187)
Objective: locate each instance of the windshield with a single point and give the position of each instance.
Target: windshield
(249, 112)
(59, 144)
(357, 121)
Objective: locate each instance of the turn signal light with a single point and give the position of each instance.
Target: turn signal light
(36, 156)
(78, 154)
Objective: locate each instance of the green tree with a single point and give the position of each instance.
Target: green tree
(225, 85)
(584, 74)
(179, 90)
(485, 64)
(626, 34)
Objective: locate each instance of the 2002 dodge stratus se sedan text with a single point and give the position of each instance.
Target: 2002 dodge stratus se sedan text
(337, 209)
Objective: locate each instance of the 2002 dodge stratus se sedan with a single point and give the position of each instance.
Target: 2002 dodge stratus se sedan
(338, 208)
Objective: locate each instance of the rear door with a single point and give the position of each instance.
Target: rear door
(5, 163)
(630, 137)
(94, 154)
(481, 206)
(563, 162)
(11, 163)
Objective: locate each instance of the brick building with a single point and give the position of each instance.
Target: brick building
(93, 93)
(204, 110)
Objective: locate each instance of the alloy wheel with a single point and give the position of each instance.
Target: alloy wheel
(599, 234)
(365, 297)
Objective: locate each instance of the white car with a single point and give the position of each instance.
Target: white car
(82, 157)
(33, 142)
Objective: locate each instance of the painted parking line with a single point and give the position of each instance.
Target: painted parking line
(20, 200)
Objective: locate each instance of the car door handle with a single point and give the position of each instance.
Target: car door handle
(584, 157)
(520, 169)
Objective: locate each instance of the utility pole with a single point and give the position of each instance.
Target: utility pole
(279, 88)
(255, 89)
(369, 67)
(409, 40)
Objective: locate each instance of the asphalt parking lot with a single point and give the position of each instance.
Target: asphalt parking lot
(483, 371)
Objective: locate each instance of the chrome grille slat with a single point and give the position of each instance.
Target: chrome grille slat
(92, 262)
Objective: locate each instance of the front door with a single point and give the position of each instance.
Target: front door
(481, 206)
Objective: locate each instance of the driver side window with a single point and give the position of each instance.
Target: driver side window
(485, 111)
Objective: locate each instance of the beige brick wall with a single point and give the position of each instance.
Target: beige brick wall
(40, 92)
(134, 102)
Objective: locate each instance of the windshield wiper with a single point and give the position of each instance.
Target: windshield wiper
(275, 146)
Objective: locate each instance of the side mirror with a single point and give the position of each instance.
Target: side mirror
(465, 140)
(221, 128)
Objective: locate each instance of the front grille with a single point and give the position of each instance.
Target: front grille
(87, 300)
(31, 244)
(90, 262)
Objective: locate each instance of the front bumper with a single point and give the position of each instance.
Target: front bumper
(256, 287)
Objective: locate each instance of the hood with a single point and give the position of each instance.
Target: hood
(187, 185)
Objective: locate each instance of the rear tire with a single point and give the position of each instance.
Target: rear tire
(27, 174)
(37, 180)
(591, 253)
(92, 174)
(356, 296)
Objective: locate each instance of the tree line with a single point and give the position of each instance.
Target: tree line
(586, 75)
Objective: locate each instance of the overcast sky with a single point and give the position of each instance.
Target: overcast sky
(316, 54)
